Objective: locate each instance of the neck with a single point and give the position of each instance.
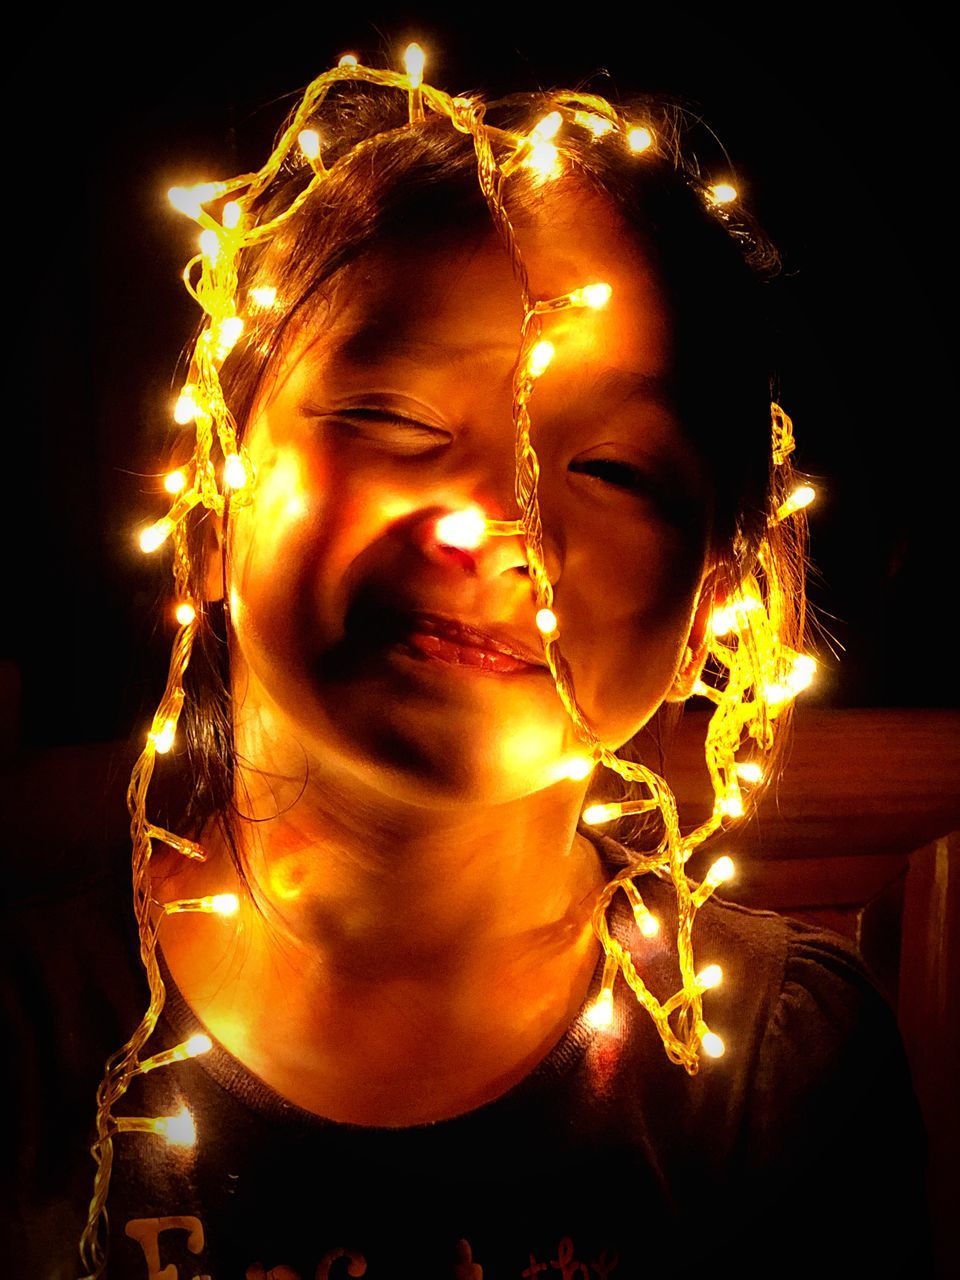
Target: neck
(446, 946)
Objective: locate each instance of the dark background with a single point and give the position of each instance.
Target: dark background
(837, 124)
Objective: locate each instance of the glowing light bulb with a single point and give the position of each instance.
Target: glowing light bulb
(464, 529)
(591, 295)
(804, 669)
(540, 357)
(712, 1045)
(264, 295)
(546, 621)
(309, 142)
(731, 806)
(413, 60)
(543, 160)
(597, 813)
(225, 904)
(198, 1044)
(185, 410)
(190, 200)
(155, 535)
(723, 621)
(749, 771)
(179, 1130)
(723, 869)
(163, 738)
(649, 925)
(185, 613)
(600, 1013)
(234, 472)
(597, 125)
(228, 334)
(547, 128)
(800, 498)
(639, 139)
(174, 481)
(722, 193)
(710, 977)
(232, 213)
(348, 60)
(578, 767)
(210, 244)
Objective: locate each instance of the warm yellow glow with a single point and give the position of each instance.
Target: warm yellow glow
(174, 481)
(229, 333)
(648, 924)
(594, 814)
(749, 771)
(225, 904)
(190, 200)
(578, 767)
(710, 977)
(309, 142)
(543, 160)
(546, 621)
(232, 213)
(185, 613)
(414, 60)
(221, 904)
(264, 295)
(185, 410)
(597, 125)
(179, 1130)
(191, 1048)
(800, 498)
(592, 295)
(163, 739)
(547, 128)
(540, 357)
(209, 244)
(731, 806)
(723, 869)
(713, 1046)
(198, 1044)
(600, 1013)
(464, 529)
(155, 535)
(639, 139)
(723, 193)
(804, 669)
(348, 60)
(234, 472)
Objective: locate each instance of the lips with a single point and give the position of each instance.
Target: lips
(492, 649)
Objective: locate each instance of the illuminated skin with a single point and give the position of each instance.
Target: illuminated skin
(428, 895)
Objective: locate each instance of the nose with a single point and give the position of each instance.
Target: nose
(454, 536)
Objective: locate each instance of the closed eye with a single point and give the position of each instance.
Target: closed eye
(378, 426)
(622, 474)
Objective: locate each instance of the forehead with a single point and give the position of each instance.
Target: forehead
(454, 304)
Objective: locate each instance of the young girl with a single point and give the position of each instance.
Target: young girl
(483, 474)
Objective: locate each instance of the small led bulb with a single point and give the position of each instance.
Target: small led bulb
(712, 1045)
(710, 977)
(639, 139)
(210, 244)
(155, 535)
(462, 529)
(225, 904)
(185, 613)
(309, 141)
(722, 193)
(232, 213)
(543, 160)
(547, 128)
(229, 333)
(597, 813)
(198, 1044)
(597, 125)
(597, 295)
(540, 357)
(163, 740)
(414, 60)
(185, 410)
(348, 60)
(801, 497)
(190, 200)
(578, 767)
(804, 669)
(264, 295)
(731, 806)
(649, 925)
(546, 621)
(174, 481)
(179, 1130)
(600, 1013)
(723, 869)
(749, 771)
(234, 472)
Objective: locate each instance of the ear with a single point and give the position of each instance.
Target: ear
(695, 651)
(213, 546)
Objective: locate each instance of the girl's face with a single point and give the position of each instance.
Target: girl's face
(394, 409)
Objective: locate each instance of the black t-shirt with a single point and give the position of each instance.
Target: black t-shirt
(799, 1152)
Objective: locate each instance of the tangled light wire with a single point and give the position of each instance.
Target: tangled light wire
(753, 676)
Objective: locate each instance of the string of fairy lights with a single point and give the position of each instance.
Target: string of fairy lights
(754, 674)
